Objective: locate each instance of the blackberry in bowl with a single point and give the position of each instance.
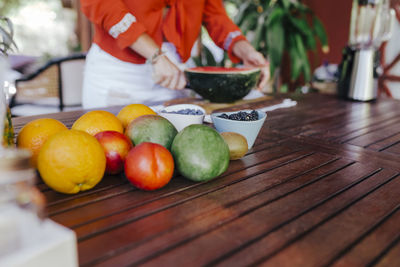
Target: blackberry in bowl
(241, 116)
(245, 122)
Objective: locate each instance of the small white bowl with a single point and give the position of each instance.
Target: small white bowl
(248, 129)
(180, 121)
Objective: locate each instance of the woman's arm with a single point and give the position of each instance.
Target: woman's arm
(228, 36)
(122, 25)
(115, 18)
(221, 28)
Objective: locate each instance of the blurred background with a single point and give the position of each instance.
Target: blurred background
(48, 29)
(43, 29)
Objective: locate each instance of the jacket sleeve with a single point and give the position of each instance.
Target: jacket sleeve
(114, 17)
(221, 28)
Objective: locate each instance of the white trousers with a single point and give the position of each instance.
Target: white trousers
(109, 81)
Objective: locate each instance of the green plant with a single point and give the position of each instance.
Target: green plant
(278, 26)
(6, 35)
(7, 6)
(205, 57)
(6, 43)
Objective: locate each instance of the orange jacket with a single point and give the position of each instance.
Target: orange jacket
(118, 23)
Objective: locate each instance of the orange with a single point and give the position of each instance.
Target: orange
(71, 161)
(133, 111)
(35, 133)
(97, 121)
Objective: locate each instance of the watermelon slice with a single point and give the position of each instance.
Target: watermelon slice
(222, 85)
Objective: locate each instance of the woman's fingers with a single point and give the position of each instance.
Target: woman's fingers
(167, 74)
(181, 81)
(173, 81)
(158, 78)
(263, 80)
(265, 76)
(256, 59)
(165, 82)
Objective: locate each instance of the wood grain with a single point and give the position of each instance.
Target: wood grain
(320, 187)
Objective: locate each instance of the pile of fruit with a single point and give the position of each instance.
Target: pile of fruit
(146, 147)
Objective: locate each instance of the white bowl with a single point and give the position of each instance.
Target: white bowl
(248, 129)
(180, 121)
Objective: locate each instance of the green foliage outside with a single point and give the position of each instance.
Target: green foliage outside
(282, 25)
(6, 36)
(7, 6)
(278, 26)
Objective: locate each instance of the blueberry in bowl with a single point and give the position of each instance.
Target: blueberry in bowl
(245, 122)
(183, 115)
(186, 111)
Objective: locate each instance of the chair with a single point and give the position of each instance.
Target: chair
(57, 86)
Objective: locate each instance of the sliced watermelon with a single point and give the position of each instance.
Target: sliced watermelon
(222, 85)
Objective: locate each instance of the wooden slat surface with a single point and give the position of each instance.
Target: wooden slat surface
(320, 187)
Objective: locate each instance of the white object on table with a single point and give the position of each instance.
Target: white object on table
(286, 103)
(180, 121)
(55, 247)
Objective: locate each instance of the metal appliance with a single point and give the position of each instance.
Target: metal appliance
(371, 24)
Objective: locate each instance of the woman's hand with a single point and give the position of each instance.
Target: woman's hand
(167, 74)
(252, 58)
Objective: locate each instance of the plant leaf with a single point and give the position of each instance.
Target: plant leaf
(303, 54)
(286, 4)
(303, 8)
(305, 29)
(209, 57)
(284, 88)
(272, 69)
(6, 40)
(249, 23)
(275, 15)
(258, 32)
(320, 32)
(275, 43)
(243, 10)
(295, 59)
(6, 36)
(197, 61)
(9, 25)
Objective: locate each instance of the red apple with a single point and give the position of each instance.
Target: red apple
(116, 146)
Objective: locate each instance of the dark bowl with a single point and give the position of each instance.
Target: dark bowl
(222, 85)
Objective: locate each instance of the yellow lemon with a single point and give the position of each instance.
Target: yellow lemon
(133, 111)
(97, 121)
(71, 161)
(35, 133)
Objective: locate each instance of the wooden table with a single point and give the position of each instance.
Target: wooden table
(320, 187)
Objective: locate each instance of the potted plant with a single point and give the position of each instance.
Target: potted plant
(279, 27)
(6, 43)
